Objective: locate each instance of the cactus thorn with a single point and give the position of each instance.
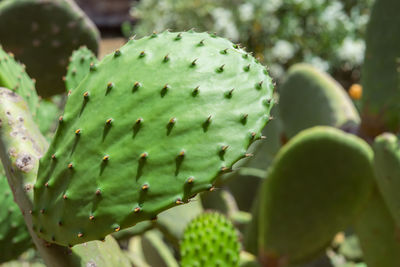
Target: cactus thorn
(78, 131)
(106, 158)
(144, 155)
(117, 53)
(109, 121)
(166, 58)
(70, 166)
(145, 187)
(91, 217)
(137, 209)
(80, 235)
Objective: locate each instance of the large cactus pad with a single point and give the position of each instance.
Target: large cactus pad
(310, 97)
(43, 34)
(150, 126)
(13, 76)
(210, 240)
(316, 185)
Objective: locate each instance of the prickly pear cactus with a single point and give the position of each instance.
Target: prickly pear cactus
(309, 97)
(380, 72)
(317, 183)
(387, 169)
(210, 240)
(378, 234)
(13, 76)
(79, 66)
(51, 29)
(149, 127)
(14, 236)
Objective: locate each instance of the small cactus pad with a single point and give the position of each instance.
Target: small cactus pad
(79, 66)
(44, 34)
(378, 234)
(380, 72)
(150, 126)
(317, 183)
(210, 240)
(309, 97)
(13, 76)
(14, 236)
(387, 170)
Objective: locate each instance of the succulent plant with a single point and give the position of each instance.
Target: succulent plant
(51, 29)
(171, 115)
(210, 240)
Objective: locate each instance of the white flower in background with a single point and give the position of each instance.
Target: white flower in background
(319, 63)
(352, 50)
(246, 12)
(333, 15)
(270, 6)
(276, 70)
(224, 23)
(283, 51)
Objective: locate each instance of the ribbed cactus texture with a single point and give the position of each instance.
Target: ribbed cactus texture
(152, 124)
(316, 185)
(380, 71)
(387, 169)
(210, 240)
(43, 34)
(310, 97)
(14, 77)
(79, 66)
(14, 236)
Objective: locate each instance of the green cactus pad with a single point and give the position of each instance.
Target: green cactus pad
(14, 236)
(149, 127)
(309, 97)
(100, 254)
(210, 240)
(378, 234)
(317, 183)
(380, 72)
(79, 66)
(13, 76)
(44, 34)
(387, 170)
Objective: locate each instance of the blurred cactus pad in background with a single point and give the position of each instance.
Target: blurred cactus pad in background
(199, 133)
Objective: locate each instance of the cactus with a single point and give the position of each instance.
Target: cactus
(210, 240)
(79, 66)
(387, 169)
(13, 76)
(307, 182)
(48, 113)
(378, 234)
(14, 237)
(51, 29)
(160, 143)
(309, 97)
(380, 71)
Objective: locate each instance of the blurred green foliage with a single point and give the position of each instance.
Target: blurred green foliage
(326, 33)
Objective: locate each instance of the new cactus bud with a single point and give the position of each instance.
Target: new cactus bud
(210, 240)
